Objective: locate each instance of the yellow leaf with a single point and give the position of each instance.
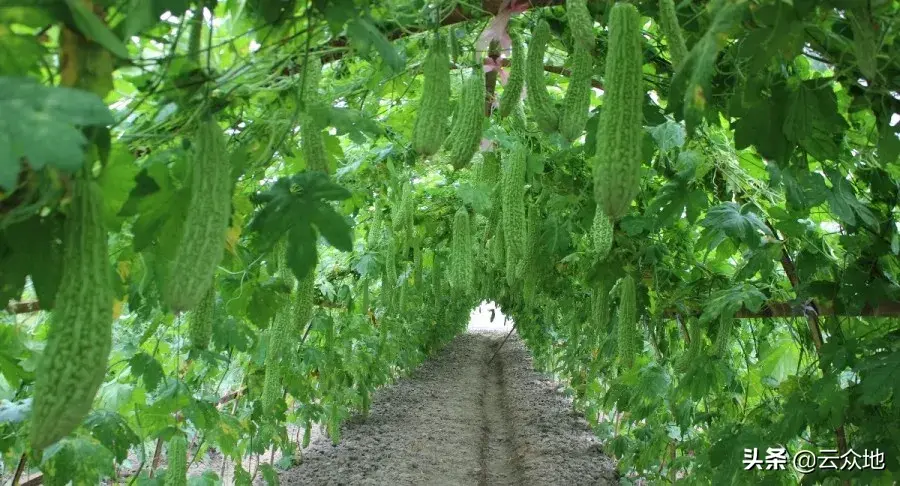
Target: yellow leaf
(231, 239)
(124, 269)
(117, 308)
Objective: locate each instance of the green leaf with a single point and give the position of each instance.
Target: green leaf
(738, 223)
(727, 302)
(669, 135)
(147, 368)
(38, 123)
(111, 430)
(333, 227)
(365, 34)
(93, 28)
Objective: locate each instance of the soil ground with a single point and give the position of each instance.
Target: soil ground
(463, 418)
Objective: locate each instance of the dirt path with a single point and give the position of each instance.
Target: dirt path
(461, 421)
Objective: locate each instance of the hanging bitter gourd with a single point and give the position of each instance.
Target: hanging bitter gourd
(430, 127)
(313, 117)
(73, 364)
(512, 92)
(617, 163)
(723, 338)
(538, 99)
(202, 243)
(600, 307)
(577, 102)
(530, 267)
(628, 334)
(176, 460)
(601, 234)
(512, 193)
(461, 258)
(468, 120)
(200, 325)
(671, 29)
(389, 279)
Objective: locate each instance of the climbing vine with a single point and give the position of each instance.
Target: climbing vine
(689, 209)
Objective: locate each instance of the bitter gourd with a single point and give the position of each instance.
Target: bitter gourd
(430, 127)
(577, 103)
(601, 234)
(512, 92)
(201, 320)
(462, 271)
(617, 162)
(468, 120)
(176, 459)
(512, 189)
(600, 307)
(73, 364)
(538, 99)
(578, 95)
(671, 29)
(627, 321)
(202, 243)
(723, 339)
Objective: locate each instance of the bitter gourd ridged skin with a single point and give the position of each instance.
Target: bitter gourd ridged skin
(617, 162)
(512, 186)
(512, 92)
(430, 127)
(529, 264)
(577, 103)
(465, 133)
(202, 243)
(671, 29)
(601, 234)
(600, 307)
(627, 321)
(176, 459)
(304, 297)
(279, 336)
(461, 267)
(538, 99)
(723, 339)
(581, 24)
(73, 364)
(201, 320)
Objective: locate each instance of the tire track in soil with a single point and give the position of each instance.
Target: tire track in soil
(459, 420)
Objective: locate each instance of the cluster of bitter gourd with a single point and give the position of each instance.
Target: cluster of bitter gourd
(430, 127)
(617, 162)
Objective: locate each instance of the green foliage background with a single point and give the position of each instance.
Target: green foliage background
(770, 183)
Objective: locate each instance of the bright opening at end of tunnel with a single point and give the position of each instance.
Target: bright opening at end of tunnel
(480, 318)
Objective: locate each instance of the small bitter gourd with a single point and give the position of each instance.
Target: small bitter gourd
(430, 127)
(538, 99)
(627, 321)
(73, 364)
(512, 92)
(617, 162)
(601, 234)
(468, 120)
(176, 461)
(200, 326)
(671, 29)
(202, 243)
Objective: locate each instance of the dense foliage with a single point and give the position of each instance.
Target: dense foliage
(710, 263)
